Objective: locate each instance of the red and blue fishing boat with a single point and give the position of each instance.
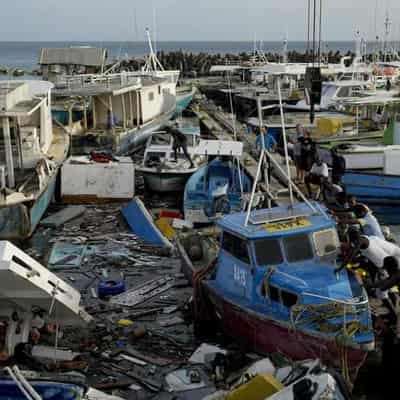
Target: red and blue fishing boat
(276, 286)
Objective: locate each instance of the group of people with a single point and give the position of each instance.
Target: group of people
(312, 169)
(369, 247)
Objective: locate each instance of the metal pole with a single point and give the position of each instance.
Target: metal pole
(285, 142)
(253, 190)
(261, 125)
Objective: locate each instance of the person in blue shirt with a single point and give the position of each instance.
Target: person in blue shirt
(270, 144)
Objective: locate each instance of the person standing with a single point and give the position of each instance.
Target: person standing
(338, 167)
(388, 85)
(297, 149)
(308, 153)
(180, 142)
(265, 140)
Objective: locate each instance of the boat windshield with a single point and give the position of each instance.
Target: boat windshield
(161, 139)
(268, 252)
(326, 242)
(236, 246)
(297, 248)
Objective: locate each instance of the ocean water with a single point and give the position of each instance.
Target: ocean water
(25, 55)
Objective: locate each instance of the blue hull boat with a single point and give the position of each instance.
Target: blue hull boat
(47, 390)
(276, 287)
(373, 188)
(203, 186)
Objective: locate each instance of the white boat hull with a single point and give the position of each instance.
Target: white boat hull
(166, 182)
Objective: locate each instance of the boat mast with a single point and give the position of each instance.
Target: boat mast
(152, 63)
(386, 49)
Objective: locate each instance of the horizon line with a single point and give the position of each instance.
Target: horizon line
(175, 41)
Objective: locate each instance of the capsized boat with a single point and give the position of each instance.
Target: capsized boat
(33, 151)
(275, 286)
(221, 178)
(29, 291)
(21, 385)
(160, 170)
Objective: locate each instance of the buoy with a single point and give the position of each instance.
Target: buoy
(110, 288)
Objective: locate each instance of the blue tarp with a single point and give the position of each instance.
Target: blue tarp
(141, 223)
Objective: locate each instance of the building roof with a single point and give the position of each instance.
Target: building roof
(88, 56)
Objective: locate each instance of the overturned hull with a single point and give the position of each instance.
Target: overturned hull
(28, 289)
(141, 223)
(19, 221)
(266, 335)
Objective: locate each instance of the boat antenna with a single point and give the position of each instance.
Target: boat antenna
(154, 29)
(308, 27)
(234, 129)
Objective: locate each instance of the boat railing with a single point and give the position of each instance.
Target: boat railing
(122, 79)
(337, 301)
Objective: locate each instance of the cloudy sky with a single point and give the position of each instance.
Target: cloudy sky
(125, 20)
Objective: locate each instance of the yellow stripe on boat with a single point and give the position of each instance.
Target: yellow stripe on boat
(298, 223)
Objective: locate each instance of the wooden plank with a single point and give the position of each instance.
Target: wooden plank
(63, 216)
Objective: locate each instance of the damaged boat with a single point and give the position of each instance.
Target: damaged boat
(22, 385)
(217, 187)
(275, 285)
(31, 295)
(33, 151)
(160, 170)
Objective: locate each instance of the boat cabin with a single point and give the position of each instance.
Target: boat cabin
(26, 136)
(117, 107)
(55, 63)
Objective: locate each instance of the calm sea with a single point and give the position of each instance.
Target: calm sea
(25, 54)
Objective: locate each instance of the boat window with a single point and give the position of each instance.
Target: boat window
(356, 91)
(274, 293)
(268, 252)
(328, 91)
(235, 246)
(161, 139)
(298, 248)
(151, 96)
(344, 92)
(326, 242)
(288, 299)
(159, 89)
